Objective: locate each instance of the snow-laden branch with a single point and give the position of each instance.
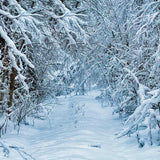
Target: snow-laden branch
(69, 23)
(147, 98)
(13, 51)
(16, 52)
(142, 88)
(7, 14)
(140, 113)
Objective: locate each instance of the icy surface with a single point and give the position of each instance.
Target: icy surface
(78, 129)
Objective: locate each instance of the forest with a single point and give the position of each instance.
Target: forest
(52, 48)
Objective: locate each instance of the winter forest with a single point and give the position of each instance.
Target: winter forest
(104, 54)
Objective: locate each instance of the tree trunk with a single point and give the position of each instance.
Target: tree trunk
(5, 75)
(11, 87)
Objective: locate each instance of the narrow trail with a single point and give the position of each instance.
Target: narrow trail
(83, 130)
(80, 129)
(78, 132)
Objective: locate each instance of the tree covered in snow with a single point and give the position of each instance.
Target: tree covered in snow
(144, 69)
(127, 61)
(35, 36)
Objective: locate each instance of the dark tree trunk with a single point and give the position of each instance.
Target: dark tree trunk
(11, 87)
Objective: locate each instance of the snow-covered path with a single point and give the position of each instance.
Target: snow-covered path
(80, 129)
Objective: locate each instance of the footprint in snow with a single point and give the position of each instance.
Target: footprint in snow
(95, 146)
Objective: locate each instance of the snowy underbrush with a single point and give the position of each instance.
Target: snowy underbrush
(9, 146)
(144, 121)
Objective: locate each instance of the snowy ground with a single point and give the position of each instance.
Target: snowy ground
(79, 129)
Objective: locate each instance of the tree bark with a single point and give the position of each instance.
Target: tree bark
(5, 74)
(11, 87)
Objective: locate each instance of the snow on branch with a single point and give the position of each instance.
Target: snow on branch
(16, 52)
(147, 99)
(68, 22)
(142, 88)
(13, 51)
(27, 23)
(140, 113)
(7, 14)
